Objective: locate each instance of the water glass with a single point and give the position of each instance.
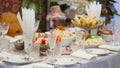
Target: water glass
(94, 31)
(4, 44)
(78, 33)
(55, 52)
(34, 51)
(82, 44)
(55, 49)
(27, 41)
(4, 28)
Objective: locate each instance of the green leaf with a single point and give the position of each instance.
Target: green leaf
(34, 6)
(25, 3)
(45, 47)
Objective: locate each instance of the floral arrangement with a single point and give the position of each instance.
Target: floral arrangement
(44, 45)
(42, 40)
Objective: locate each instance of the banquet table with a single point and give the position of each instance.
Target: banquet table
(108, 61)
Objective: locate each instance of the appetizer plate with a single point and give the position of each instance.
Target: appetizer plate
(97, 51)
(62, 61)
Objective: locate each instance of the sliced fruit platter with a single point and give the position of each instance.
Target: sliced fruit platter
(92, 40)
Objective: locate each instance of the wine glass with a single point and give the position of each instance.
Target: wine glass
(4, 42)
(115, 32)
(52, 44)
(4, 28)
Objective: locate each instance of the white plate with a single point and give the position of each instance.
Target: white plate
(97, 51)
(17, 59)
(62, 61)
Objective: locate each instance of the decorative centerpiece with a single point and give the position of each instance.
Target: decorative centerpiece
(44, 46)
(43, 42)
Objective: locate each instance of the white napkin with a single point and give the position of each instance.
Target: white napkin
(12, 40)
(27, 21)
(110, 47)
(36, 65)
(94, 10)
(83, 54)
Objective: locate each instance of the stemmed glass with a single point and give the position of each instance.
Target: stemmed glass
(52, 44)
(79, 42)
(4, 28)
(115, 32)
(4, 42)
(55, 50)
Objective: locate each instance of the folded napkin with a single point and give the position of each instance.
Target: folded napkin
(36, 65)
(94, 9)
(110, 47)
(12, 40)
(83, 54)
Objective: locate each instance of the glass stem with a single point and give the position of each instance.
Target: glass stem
(3, 35)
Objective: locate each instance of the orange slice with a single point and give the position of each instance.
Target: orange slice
(58, 39)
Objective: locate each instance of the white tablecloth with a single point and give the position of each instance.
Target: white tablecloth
(110, 61)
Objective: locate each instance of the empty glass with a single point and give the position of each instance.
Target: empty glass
(94, 31)
(54, 50)
(34, 51)
(27, 41)
(79, 42)
(52, 44)
(4, 44)
(4, 28)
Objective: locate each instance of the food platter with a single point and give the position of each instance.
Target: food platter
(83, 21)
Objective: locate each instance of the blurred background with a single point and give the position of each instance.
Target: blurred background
(110, 10)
